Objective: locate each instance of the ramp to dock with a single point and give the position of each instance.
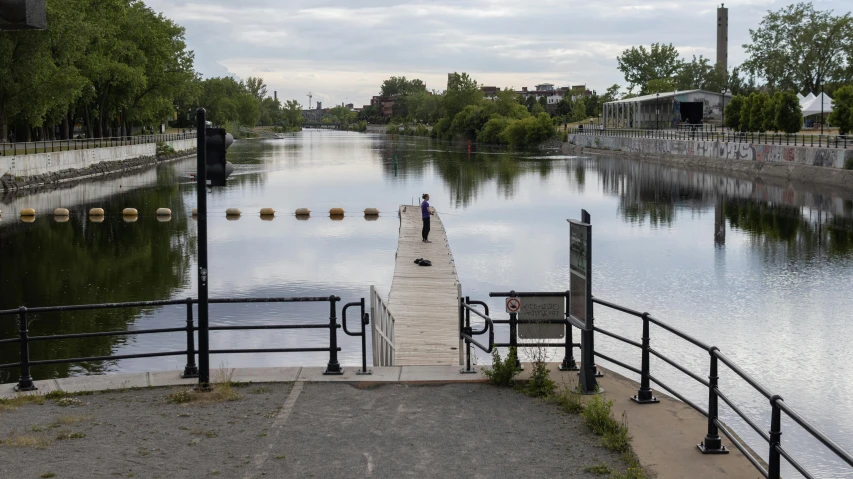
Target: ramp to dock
(424, 300)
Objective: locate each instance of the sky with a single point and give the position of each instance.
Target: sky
(342, 50)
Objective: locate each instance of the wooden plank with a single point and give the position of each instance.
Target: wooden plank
(424, 299)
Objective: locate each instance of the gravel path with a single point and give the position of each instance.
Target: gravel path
(302, 430)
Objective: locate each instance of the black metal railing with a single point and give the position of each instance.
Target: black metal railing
(723, 135)
(31, 147)
(25, 383)
(712, 443)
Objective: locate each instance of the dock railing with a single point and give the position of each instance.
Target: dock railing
(711, 443)
(25, 363)
(383, 330)
(723, 135)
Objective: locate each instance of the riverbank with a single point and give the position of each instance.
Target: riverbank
(290, 419)
(10, 184)
(805, 165)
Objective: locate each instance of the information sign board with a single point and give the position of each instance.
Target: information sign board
(541, 308)
(579, 270)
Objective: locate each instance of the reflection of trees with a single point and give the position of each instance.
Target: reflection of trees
(79, 262)
(781, 224)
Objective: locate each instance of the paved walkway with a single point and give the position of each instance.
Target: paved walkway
(295, 422)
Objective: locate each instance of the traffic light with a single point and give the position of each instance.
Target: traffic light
(22, 15)
(216, 141)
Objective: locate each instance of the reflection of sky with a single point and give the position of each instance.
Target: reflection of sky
(778, 310)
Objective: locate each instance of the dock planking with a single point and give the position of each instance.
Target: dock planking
(424, 299)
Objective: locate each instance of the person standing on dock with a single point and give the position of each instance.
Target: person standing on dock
(425, 214)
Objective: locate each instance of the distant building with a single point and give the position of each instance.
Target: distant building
(665, 110)
(723, 37)
(490, 91)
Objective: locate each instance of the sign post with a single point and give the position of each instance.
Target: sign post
(541, 310)
(201, 190)
(580, 303)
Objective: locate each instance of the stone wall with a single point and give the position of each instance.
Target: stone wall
(22, 166)
(799, 155)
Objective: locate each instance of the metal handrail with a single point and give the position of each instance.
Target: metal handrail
(725, 135)
(25, 383)
(71, 144)
(467, 333)
(711, 443)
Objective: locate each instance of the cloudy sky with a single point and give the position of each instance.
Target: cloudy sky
(341, 50)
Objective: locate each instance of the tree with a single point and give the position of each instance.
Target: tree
(469, 121)
(659, 85)
(798, 48)
(734, 110)
(506, 103)
(789, 115)
(769, 112)
(842, 110)
(699, 74)
(461, 91)
(257, 88)
(612, 94)
(592, 107)
(292, 115)
(756, 111)
(395, 86)
(579, 110)
(640, 65)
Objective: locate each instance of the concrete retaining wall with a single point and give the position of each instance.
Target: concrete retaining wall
(799, 155)
(45, 163)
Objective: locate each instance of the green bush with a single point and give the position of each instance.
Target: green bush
(164, 149)
(598, 416)
(842, 110)
(529, 131)
(491, 132)
(540, 384)
(503, 371)
(568, 399)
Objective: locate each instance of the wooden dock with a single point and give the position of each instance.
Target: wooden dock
(424, 299)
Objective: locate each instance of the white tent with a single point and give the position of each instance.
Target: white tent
(800, 97)
(812, 106)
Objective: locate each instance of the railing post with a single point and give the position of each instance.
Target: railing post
(468, 331)
(334, 367)
(513, 330)
(712, 443)
(190, 370)
(774, 464)
(644, 394)
(25, 383)
(568, 363)
(365, 320)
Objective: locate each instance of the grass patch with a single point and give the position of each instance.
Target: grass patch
(10, 404)
(222, 390)
(540, 384)
(25, 440)
(72, 419)
(69, 401)
(503, 371)
(64, 435)
(48, 474)
(598, 469)
(568, 399)
(597, 414)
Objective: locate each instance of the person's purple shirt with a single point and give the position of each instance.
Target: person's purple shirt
(425, 209)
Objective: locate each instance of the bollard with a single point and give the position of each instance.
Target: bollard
(190, 370)
(644, 394)
(25, 382)
(712, 443)
(334, 367)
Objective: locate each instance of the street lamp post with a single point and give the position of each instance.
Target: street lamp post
(821, 108)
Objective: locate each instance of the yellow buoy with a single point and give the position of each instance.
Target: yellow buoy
(371, 212)
(96, 212)
(96, 219)
(267, 212)
(129, 212)
(60, 212)
(303, 212)
(337, 217)
(232, 212)
(28, 219)
(129, 218)
(164, 218)
(61, 219)
(336, 212)
(28, 212)
(164, 212)
(303, 217)
(232, 217)
(371, 217)
(267, 217)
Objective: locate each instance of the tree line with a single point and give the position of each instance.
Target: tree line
(113, 66)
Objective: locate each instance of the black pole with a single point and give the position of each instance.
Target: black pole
(712, 443)
(644, 394)
(201, 191)
(190, 370)
(774, 468)
(513, 331)
(467, 331)
(25, 383)
(334, 367)
(365, 320)
(568, 363)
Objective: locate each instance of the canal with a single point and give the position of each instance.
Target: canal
(761, 270)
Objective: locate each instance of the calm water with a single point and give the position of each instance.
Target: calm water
(773, 293)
